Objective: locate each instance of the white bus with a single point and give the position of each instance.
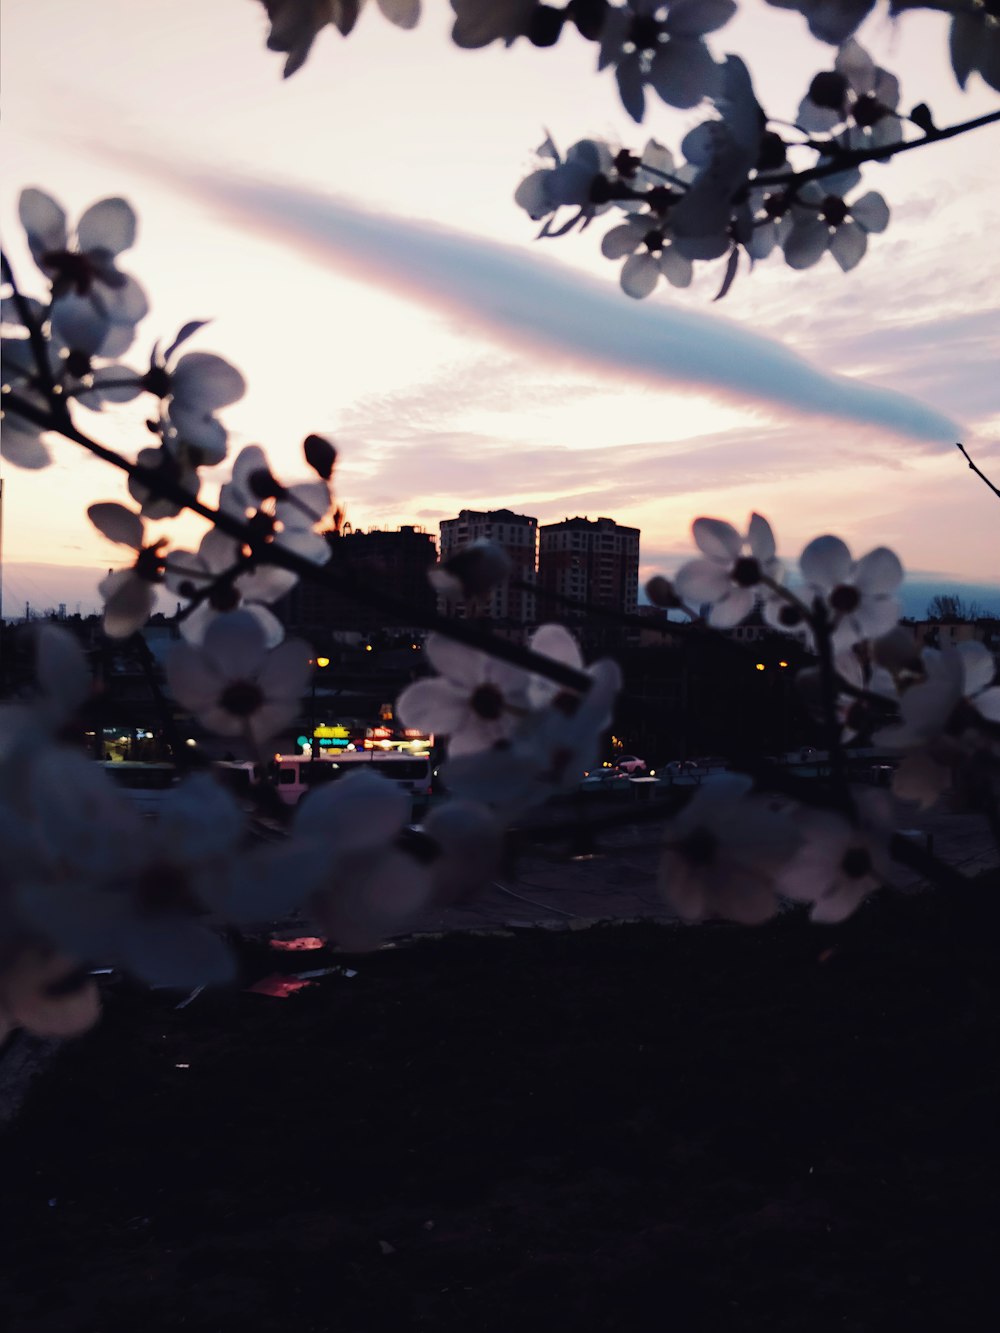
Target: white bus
(295, 774)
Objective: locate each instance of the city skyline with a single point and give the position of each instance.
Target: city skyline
(915, 593)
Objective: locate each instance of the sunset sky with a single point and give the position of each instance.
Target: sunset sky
(353, 236)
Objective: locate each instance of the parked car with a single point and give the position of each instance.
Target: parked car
(631, 764)
(604, 779)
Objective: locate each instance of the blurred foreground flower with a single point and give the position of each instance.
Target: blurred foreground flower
(233, 683)
(91, 297)
(731, 575)
(723, 853)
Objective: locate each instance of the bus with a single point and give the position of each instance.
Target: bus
(296, 774)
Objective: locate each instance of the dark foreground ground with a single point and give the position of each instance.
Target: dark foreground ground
(622, 1128)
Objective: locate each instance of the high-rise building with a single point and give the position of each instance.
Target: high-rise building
(518, 535)
(396, 561)
(591, 560)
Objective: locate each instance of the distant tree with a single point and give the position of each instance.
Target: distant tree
(949, 606)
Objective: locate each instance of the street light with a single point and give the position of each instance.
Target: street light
(319, 662)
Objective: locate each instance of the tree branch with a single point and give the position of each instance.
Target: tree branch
(972, 466)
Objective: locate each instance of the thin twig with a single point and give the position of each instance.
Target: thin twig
(981, 475)
(856, 157)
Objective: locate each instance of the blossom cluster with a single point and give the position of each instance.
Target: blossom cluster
(732, 190)
(736, 851)
(744, 184)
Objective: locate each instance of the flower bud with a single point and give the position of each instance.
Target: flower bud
(472, 572)
(660, 592)
(320, 454)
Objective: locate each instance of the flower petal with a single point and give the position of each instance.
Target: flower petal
(109, 225)
(435, 707)
(234, 645)
(203, 382)
(194, 682)
(43, 219)
(628, 74)
(199, 820)
(286, 669)
(361, 812)
(718, 539)
(826, 562)
(693, 18)
(118, 524)
(856, 65)
(20, 441)
(62, 668)
(848, 245)
(639, 276)
(80, 324)
(461, 664)
(676, 267)
(621, 241)
(702, 581)
(128, 603)
(871, 212)
(761, 538)
(806, 243)
(403, 13)
(683, 71)
(729, 610)
(879, 571)
(978, 667)
(127, 304)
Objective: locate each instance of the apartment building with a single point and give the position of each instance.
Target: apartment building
(590, 560)
(518, 535)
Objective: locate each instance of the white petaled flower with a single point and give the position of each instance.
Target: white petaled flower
(119, 889)
(841, 861)
(376, 880)
(666, 51)
(723, 853)
(937, 727)
(547, 755)
(822, 221)
(220, 580)
(645, 240)
(855, 89)
(233, 683)
(129, 594)
(730, 576)
(475, 700)
(90, 294)
(292, 512)
(581, 181)
(859, 596)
